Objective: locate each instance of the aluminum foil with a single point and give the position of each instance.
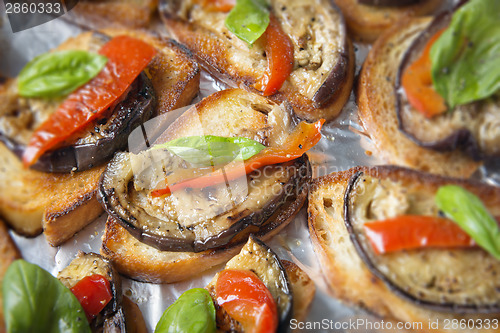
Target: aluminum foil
(344, 145)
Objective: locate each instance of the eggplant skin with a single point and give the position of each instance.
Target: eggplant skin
(389, 3)
(134, 110)
(445, 280)
(461, 129)
(242, 221)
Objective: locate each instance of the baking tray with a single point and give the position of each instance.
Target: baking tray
(343, 145)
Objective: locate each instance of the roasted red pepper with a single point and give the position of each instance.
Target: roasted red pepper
(94, 293)
(409, 232)
(417, 83)
(127, 57)
(279, 53)
(247, 300)
(303, 138)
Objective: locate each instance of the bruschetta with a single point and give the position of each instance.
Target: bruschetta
(303, 56)
(411, 123)
(53, 188)
(387, 245)
(162, 203)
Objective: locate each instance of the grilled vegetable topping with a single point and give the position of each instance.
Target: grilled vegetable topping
(251, 19)
(465, 61)
(409, 232)
(94, 293)
(193, 312)
(471, 215)
(304, 137)
(127, 58)
(206, 150)
(58, 73)
(248, 19)
(35, 301)
(417, 83)
(280, 58)
(246, 299)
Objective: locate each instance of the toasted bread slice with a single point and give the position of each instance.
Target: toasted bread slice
(8, 253)
(112, 13)
(350, 278)
(62, 204)
(323, 71)
(303, 290)
(367, 22)
(377, 107)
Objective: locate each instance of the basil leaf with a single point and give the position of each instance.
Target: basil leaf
(248, 19)
(466, 58)
(471, 215)
(59, 73)
(212, 150)
(35, 301)
(193, 312)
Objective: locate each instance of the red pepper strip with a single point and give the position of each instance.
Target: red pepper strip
(303, 138)
(247, 300)
(127, 57)
(409, 232)
(279, 52)
(417, 83)
(94, 293)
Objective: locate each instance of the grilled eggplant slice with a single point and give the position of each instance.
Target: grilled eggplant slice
(321, 80)
(445, 280)
(216, 216)
(260, 259)
(94, 145)
(472, 128)
(111, 319)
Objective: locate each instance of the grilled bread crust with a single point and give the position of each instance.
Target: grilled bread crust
(367, 22)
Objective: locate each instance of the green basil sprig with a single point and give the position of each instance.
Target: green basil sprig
(209, 150)
(35, 301)
(193, 312)
(59, 73)
(471, 215)
(248, 19)
(466, 58)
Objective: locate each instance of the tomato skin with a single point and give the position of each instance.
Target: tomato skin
(303, 138)
(417, 83)
(94, 293)
(410, 232)
(127, 57)
(246, 299)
